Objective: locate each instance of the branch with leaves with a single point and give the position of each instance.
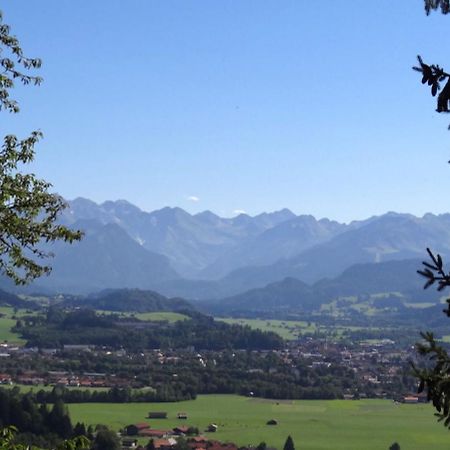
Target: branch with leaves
(13, 62)
(28, 210)
(8, 434)
(434, 75)
(434, 272)
(436, 380)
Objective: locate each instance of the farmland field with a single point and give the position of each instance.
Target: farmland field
(313, 424)
(159, 316)
(7, 322)
(287, 329)
(170, 317)
(292, 329)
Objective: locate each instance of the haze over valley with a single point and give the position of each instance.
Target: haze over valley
(207, 257)
(276, 273)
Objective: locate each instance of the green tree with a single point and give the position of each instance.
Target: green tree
(77, 443)
(59, 420)
(289, 444)
(80, 429)
(28, 210)
(181, 444)
(106, 440)
(435, 377)
(432, 74)
(394, 446)
(8, 434)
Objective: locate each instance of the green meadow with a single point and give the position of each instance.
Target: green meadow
(6, 335)
(159, 316)
(313, 424)
(291, 329)
(170, 317)
(7, 322)
(287, 329)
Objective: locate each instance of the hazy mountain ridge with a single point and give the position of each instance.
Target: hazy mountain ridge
(107, 257)
(389, 237)
(358, 280)
(136, 300)
(285, 240)
(191, 242)
(127, 247)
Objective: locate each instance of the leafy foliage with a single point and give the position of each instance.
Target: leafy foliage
(434, 273)
(8, 434)
(106, 440)
(433, 75)
(21, 413)
(437, 378)
(28, 210)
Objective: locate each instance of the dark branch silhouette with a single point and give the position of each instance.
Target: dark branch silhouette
(435, 378)
(433, 75)
(433, 5)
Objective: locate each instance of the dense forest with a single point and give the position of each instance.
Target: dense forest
(39, 424)
(61, 327)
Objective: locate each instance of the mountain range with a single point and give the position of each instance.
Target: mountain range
(204, 256)
(291, 294)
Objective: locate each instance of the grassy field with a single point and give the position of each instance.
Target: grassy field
(287, 329)
(7, 322)
(313, 424)
(291, 329)
(5, 331)
(170, 317)
(160, 316)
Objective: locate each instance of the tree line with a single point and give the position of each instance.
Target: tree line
(63, 327)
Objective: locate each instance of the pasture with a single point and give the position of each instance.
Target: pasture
(158, 316)
(287, 329)
(163, 316)
(292, 329)
(313, 424)
(7, 322)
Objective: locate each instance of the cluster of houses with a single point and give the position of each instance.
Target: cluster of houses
(64, 378)
(377, 365)
(194, 443)
(166, 439)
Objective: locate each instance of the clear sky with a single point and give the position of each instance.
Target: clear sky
(237, 105)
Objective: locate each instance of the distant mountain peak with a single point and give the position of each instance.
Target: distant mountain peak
(82, 201)
(171, 210)
(119, 202)
(207, 214)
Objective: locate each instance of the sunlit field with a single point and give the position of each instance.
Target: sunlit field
(313, 424)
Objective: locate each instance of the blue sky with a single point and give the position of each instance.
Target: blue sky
(237, 105)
